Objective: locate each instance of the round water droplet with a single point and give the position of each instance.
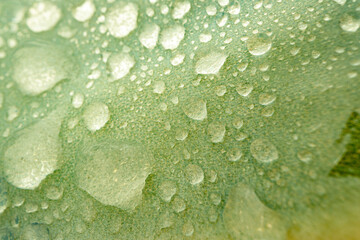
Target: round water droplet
(188, 229)
(210, 63)
(216, 131)
(266, 98)
(171, 37)
(180, 9)
(258, 44)
(178, 204)
(181, 134)
(349, 23)
(234, 155)
(33, 155)
(304, 156)
(215, 198)
(121, 19)
(114, 172)
(195, 108)
(194, 174)
(149, 35)
(119, 65)
(167, 190)
(43, 16)
(263, 150)
(96, 116)
(78, 100)
(85, 11)
(244, 89)
(38, 69)
(220, 90)
(54, 193)
(159, 87)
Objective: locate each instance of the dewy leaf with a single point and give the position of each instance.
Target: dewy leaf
(167, 107)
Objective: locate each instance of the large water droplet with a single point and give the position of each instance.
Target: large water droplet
(96, 116)
(171, 37)
(121, 19)
(258, 44)
(119, 65)
(246, 217)
(38, 69)
(195, 108)
(349, 23)
(84, 12)
(149, 35)
(263, 150)
(33, 155)
(216, 131)
(167, 190)
(43, 16)
(113, 172)
(194, 174)
(211, 63)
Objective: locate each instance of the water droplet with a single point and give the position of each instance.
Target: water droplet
(349, 23)
(121, 19)
(188, 229)
(244, 89)
(171, 37)
(31, 207)
(220, 90)
(33, 156)
(178, 204)
(78, 100)
(246, 217)
(234, 155)
(167, 190)
(234, 8)
(43, 16)
(258, 44)
(38, 69)
(216, 131)
(119, 65)
(194, 174)
(210, 63)
(159, 87)
(211, 10)
(304, 156)
(85, 11)
(149, 35)
(263, 150)
(177, 59)
(180, 9)
(195, 109)
(95, 116)
(241, 136)
(212, 176)
(113, 172)
(238, 123)
(54, 193)
(181, 134)
(341, 2)
(266, 99)
(12, 113)
(215, 198)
